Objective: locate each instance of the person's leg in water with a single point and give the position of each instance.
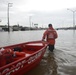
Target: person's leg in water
(51, 47)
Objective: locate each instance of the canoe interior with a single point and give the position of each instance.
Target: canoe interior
(23, 50)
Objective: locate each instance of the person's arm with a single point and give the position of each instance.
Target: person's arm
(55, 34)
(44, 35)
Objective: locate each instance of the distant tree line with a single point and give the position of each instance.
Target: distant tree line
(66, 28)
(18, 28)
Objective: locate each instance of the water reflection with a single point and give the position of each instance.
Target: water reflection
(51, 62)
(73, 33)
(8, 38)
(47, 66)
(74, 38)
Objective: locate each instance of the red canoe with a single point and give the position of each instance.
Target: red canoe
(20, 58)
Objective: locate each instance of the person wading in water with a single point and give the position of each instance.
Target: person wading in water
(50, 35)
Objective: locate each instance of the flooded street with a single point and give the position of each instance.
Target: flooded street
(61, 62)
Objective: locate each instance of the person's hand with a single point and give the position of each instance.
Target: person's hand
(42, 39)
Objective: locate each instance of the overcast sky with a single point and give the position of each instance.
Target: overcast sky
(41, 12)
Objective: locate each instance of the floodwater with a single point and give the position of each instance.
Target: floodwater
(61, 62)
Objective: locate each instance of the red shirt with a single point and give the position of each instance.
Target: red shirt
(50, 35)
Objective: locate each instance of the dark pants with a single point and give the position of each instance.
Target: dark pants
(51, 47)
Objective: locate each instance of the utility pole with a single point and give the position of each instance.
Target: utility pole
(9, 5)
(30, 21)
(73, 16)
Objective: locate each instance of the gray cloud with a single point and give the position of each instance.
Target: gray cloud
(58, 18)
